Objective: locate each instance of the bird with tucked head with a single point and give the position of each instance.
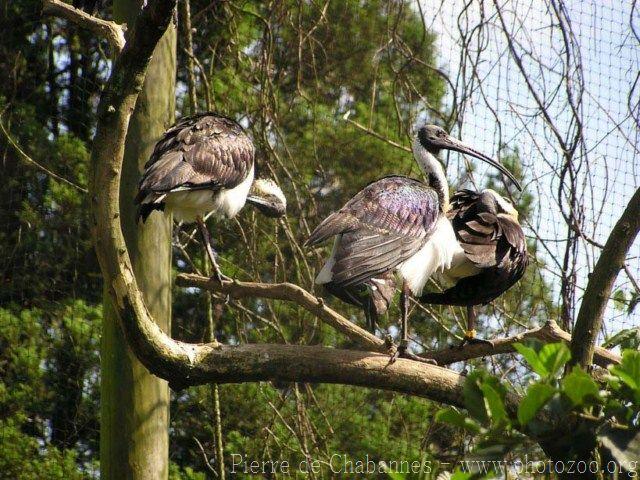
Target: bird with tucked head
(205, 164)
(492, 256)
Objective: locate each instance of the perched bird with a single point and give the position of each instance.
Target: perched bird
(395, 225)
(205, 163)
(493, 254)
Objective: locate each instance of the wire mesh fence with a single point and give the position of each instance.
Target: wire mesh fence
(558, 81)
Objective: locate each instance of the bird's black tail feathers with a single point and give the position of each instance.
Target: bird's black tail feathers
(145, 209)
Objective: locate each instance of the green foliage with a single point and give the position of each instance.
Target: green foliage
(627, 375)
(23, 458)
(610, 410)
(536, 397)
(48, 390)
(454, 417)
(579, 387)
(548, 360)
(628, 338)
(186, 473)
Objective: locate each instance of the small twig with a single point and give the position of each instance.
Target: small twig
(204, 455)
(374, 133)
(111, 31)
(205, 78)
(612, 424)
(187, 37)
(27, 159)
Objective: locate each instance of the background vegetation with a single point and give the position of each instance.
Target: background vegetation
(291, 72)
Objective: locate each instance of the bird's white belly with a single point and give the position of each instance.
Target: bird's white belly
(187, 205)
(435, 256)
(461, 267)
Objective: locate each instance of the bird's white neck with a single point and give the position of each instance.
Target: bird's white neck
(433, 170)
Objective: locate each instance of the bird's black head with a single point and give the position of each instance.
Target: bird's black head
(432, 138)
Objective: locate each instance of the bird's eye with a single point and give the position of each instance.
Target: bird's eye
(441, 133)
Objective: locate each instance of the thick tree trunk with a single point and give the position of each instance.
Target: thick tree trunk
(135, 404)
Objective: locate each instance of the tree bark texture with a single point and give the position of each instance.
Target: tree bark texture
(135, 403)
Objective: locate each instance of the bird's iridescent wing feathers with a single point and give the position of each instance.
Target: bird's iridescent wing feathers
(493, 241)
(380, 227)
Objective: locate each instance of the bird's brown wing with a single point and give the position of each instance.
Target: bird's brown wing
(380, 227)
(493, 241)
(475, 221)
(203, 151)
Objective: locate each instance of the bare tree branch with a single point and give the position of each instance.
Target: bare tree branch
(111, 31)
(601, 282)
(374, 133)
(187, 39)
(549, 332)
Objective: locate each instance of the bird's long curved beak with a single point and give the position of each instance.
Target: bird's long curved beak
(451, 143)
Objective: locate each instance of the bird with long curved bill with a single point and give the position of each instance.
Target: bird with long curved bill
(493, 254)
(394, 227)
(205, 163)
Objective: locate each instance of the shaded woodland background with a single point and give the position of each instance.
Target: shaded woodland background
(291, 71)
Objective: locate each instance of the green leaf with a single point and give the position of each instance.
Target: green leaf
(473, 396)
(531, 356)
(454, 417)
(493, 403)
(553, 356)
(460, 475)
(537, 396)
(620, 300)
(578, 385)
(394, 475)
(629, 369)
(628, 338)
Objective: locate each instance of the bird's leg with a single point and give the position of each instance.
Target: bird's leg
(371, 315)
(401, 350)
(404, 315)
(470, 334)
(206, 238)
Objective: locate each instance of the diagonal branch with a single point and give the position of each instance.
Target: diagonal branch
(374, 134)
(111, 31)
(27, 159)
(287, 292)
(601, 281)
